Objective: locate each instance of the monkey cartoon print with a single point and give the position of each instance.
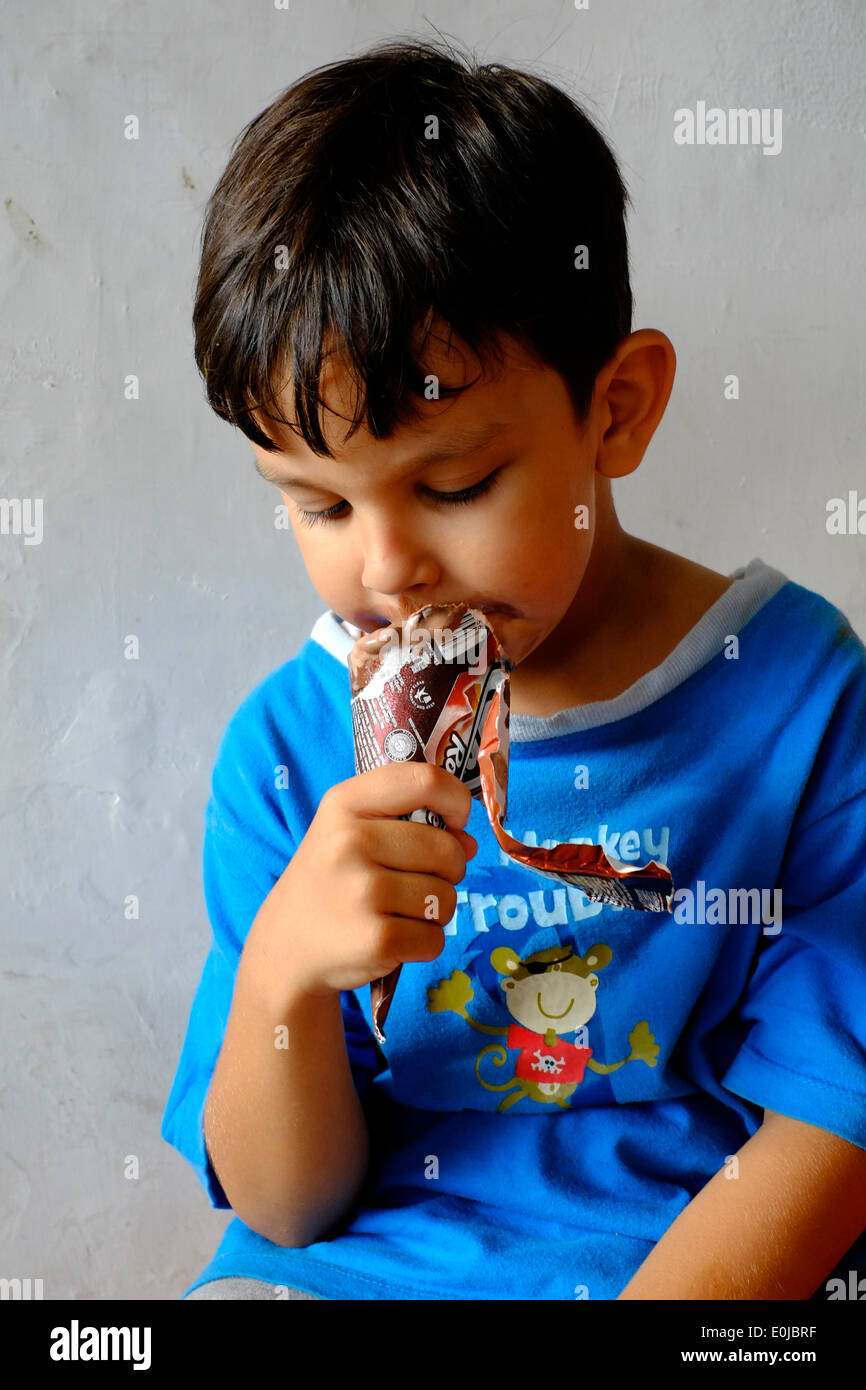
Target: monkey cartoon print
(547, 997)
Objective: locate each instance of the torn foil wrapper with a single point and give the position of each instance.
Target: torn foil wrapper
(437, 691)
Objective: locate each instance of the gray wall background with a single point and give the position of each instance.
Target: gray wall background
(155, 524)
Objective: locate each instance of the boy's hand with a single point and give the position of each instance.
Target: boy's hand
(364, 891)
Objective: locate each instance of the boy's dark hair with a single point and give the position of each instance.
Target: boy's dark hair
(338, 217)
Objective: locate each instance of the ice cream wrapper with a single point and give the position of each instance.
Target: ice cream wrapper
(437, 691)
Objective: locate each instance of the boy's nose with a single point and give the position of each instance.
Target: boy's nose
(397, 570)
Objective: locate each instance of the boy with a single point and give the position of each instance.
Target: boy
(414, 301)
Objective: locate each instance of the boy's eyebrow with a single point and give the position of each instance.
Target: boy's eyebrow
(463, 442)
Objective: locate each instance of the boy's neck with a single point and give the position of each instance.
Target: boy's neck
(635, 603)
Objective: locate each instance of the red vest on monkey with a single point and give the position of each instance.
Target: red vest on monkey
(538, 1062)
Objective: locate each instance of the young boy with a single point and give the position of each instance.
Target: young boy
(414, 301)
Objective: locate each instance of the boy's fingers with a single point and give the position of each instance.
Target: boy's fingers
(469, 842)
(398, 789)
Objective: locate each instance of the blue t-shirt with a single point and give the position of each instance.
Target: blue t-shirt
(566, 1075)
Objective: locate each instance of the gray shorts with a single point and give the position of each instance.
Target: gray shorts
(245, 1288)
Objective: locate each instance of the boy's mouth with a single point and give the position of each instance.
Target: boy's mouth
(376, 620)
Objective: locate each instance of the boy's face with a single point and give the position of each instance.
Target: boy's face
(515, 550)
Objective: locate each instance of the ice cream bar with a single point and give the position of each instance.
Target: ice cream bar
(437, 691)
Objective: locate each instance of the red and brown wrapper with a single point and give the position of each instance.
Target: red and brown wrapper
(438, 692)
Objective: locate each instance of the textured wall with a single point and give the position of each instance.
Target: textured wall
(154, 523)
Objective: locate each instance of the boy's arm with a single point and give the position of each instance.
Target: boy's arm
(774, 1232)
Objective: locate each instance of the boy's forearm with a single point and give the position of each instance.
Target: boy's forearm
(774, 1232)
(284, 1126)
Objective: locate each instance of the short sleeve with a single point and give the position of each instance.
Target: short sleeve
(804, 1010)
(246, 848)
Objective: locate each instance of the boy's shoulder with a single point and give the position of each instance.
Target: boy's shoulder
(817, 633)
(299, 697)
(287, 741)
(805, 626)
(685, 591)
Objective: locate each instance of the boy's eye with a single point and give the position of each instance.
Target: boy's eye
(445, 499)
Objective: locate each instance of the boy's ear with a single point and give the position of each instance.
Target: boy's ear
(633, 390)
